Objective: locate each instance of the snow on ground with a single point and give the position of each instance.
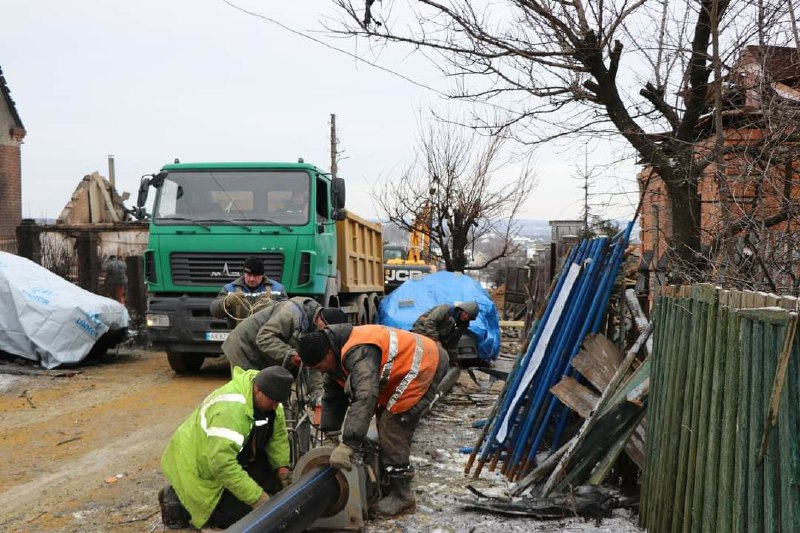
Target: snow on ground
(440, 481)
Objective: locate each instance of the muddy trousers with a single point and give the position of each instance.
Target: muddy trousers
(229, 509)
(395, 431)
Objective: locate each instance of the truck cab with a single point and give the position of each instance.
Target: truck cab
(207, 218)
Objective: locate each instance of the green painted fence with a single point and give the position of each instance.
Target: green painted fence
(723, 440)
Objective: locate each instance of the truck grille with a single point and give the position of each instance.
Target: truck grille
(218, 269)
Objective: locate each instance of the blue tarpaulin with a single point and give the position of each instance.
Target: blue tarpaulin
(404, 305)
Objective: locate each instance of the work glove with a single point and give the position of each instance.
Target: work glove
(285, 477)
(262, 303)
(264, 498)
(341, 457)
(231, 300)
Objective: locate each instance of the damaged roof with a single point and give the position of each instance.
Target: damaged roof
(12, 107)
(778, 63)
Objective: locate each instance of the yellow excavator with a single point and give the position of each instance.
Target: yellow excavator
(401, 264)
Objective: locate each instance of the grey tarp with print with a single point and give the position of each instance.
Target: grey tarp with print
(45, 318)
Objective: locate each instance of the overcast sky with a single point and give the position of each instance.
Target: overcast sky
(152, 80)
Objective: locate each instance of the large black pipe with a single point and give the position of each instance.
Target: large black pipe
(296, 507)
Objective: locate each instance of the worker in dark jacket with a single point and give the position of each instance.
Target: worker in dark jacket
(446, 323)
(116, 279)
(270, 337)
(246, 294)
(230, 454)
(393, 374)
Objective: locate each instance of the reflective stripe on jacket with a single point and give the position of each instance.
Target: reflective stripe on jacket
(201, 458)
(408, 364)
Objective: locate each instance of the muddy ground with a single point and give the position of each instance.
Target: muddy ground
(81, 452)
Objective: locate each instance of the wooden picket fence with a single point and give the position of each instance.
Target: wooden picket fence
(723, 446)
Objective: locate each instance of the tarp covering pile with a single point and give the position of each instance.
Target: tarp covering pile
(45, 318)
(404, 305)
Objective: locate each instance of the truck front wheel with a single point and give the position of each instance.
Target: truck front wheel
(184, 363)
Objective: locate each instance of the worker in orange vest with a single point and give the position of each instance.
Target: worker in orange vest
(393, 374)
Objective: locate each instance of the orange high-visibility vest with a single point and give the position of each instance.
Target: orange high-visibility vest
(408, 364)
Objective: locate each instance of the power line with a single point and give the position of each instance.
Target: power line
(340, 50)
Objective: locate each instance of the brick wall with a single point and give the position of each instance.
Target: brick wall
(10, 188)
(753, 193)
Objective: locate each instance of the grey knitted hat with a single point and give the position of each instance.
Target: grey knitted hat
(275, 382)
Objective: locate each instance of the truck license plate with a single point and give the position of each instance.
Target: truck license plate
(216, 335)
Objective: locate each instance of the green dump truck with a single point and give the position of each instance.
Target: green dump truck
(208, 217)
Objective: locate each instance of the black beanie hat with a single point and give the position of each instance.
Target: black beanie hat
(333, 315)
(275, 382)
(254, 265)
(314, 347)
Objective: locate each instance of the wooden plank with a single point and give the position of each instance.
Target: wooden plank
(790, 451)
(597, 360)
(661, 316)
(774, 340)
(779, 381)
(711, 474)
(740, 484)
(542, 470)
(676, 350)
(789, 303)
(755, 474)
(730, 408)
(639, 318)
(640, 392)
(635, 446)
(605, 464)
(609, 398)
(577, 397)
(700, 433)
(688, 442)
(611, 430)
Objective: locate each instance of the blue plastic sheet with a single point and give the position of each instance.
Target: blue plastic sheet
(404, 305)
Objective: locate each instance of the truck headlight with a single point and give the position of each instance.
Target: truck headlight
(157, 321)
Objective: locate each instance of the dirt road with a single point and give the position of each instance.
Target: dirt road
(81, 453)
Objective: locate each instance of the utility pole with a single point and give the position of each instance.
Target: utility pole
(334, 153)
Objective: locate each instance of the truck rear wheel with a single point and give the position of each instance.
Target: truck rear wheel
(184, 363)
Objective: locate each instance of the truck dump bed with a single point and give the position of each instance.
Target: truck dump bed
(360, 254)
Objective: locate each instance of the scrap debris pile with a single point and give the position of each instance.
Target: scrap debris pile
(572, 403)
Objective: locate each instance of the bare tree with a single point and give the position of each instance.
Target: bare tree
(453, 194)
(558, 67)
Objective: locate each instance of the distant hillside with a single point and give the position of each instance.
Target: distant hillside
(531, 228)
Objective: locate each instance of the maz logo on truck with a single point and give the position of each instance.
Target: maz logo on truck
(225, 272)
(401, 274)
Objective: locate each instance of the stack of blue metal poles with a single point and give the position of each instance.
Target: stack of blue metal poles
(527, 409)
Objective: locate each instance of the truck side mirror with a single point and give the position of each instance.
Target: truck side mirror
(337, 194)
(144, 185)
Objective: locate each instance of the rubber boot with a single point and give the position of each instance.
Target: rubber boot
(173, 514)
(399, 501)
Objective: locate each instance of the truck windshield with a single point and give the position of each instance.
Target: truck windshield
(233, 196)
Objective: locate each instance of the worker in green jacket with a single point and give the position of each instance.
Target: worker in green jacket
(230, 453)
